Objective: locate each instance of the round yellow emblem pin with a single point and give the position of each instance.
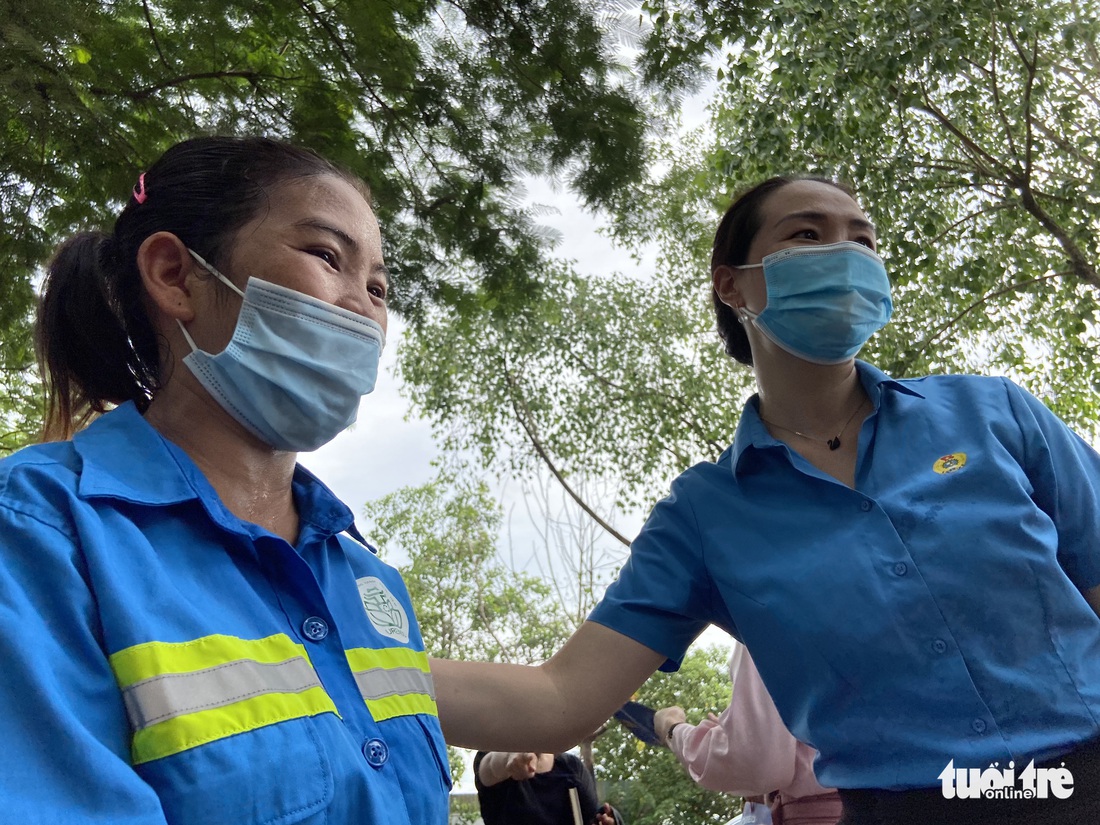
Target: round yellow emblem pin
(949, 463)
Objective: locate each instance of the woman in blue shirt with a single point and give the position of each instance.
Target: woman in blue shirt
(912, 563)
(188, 633)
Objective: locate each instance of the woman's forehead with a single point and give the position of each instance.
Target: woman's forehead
(325, 200)
(808, 197)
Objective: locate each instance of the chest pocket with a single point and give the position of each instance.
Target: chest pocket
(396, 684)
(222, 728)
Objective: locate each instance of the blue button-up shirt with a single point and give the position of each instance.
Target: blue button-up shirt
(934, 612)
(118, 561)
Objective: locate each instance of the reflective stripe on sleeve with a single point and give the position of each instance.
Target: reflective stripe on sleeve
(394, 681)
(179, 695)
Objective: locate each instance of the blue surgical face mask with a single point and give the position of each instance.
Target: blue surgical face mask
(824, 302)
(295, 368)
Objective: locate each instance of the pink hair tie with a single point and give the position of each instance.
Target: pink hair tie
(139, 190)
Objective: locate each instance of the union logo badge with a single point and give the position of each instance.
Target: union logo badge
(949, 463)
(383, 609)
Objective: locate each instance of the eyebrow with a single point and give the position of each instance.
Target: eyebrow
(811, 215)
(348, 240)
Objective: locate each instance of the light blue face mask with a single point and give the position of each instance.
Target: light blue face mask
(824, 302)
(296, 367)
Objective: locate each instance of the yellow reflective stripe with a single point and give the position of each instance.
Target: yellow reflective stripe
(144, 661)
(180, 695)
(364, 661)
(183, 732)
(362, 658)
(401, 705)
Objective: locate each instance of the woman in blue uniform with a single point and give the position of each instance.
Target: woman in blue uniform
(914, 564)
(192, 630)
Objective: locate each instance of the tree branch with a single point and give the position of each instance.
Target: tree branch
(505, 650)
(540, 450)
(946, 325)
(985, 210)
(677, 401)
(985, 162)
(1083, 87)
(1029, 84)
(148, 91)
(153, 34)
(995, 88)
(1079, 264)
(1064, 145)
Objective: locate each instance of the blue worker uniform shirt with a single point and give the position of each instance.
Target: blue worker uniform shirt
(165, 661)
(934, 612)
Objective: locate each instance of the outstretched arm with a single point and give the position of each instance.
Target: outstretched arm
(546, 708)
(497, 766)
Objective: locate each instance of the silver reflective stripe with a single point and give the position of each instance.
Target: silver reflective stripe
(175, 694)
(380, 682)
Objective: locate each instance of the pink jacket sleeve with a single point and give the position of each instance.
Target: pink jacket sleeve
(749, 750)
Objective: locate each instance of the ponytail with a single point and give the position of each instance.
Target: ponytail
(93, 339)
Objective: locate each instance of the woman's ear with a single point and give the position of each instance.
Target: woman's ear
(165, 266)
(724, 279)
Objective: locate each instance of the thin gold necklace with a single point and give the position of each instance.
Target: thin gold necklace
(834, 442)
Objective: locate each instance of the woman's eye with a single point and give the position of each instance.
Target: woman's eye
(867, 242)
(325, 255)
(806, 234)
(377, 291)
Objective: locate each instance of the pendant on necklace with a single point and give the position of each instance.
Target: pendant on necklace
(834, 442)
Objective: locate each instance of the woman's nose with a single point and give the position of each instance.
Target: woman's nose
(363, 303)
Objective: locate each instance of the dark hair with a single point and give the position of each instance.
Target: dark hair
(732, 240)
(95, 342)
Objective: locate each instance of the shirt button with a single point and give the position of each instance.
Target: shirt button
(901, 568)
(865, 506)
(377, 752)
(978, 725)
(939, 645)
(315, 628)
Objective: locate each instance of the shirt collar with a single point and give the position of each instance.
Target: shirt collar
(124, 457)
(751, 431)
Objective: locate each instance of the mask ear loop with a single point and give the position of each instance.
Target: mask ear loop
(744, 314)
(202, 262)
(209, 268)
(187, 335)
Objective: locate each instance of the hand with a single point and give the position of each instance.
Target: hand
(522, 766)
(604, 816)
(665, 718)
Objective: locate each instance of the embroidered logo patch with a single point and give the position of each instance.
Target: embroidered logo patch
(949, 463)
(383, 609)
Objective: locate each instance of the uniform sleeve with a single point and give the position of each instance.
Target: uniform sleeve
(663, 596)
(65, 735)
(1065, 473)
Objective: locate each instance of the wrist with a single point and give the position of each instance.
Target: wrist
(671, 729)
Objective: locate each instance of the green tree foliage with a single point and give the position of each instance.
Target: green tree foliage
(970, 131)
(443, 107)
(469, 604)
(600, 378)
(647, 784)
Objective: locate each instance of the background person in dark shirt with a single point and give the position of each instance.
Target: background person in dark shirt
(535, 789)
